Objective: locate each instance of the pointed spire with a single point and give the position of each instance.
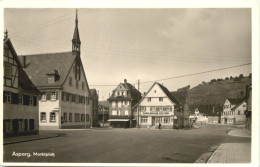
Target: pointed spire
(76, 39)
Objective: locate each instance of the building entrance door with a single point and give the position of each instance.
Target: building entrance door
(153, 121)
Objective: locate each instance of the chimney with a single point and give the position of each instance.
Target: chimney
(125, 81)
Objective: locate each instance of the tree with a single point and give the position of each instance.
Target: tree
(250, 75)
(226, 78)
(213, 80)
(241, 76)
(231, 77)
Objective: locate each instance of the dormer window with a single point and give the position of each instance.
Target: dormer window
(53, 76)
(51, 79)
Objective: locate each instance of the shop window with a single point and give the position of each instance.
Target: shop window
(166, 120)
(144, 119)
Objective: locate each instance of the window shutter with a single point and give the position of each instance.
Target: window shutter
(4, 96)
(48, 95)
(25, 99)
(57, 95)
(34, 100)
(14, 98)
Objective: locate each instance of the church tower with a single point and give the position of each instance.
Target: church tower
(76, 40)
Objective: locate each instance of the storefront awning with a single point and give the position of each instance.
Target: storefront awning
(119, 120)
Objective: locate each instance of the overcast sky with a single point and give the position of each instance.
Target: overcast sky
(145, 44)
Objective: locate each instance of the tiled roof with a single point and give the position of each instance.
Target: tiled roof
(236, 106)
(103, 103)
(41, 64)
(167, 92)
(235, 100)
(134, 94)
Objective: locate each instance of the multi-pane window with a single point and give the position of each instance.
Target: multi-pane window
(70, 81)
(119, 104)
(43, 116)
(126, 112)
(52, 117)
(142, 108)
(166, 120)
(30, 100)
(43, 96)
(64, 96)
(82, 117)
(87, 117)
(152, 108)
(8, 70)
(53, 95)
(70, 117)
(113, 104)
(51, 79)
(20, 99)
(65, 117)
(144, 119)
(114, 112)
(149, 99)
(76, 117)
(160, 98)
(118, 112)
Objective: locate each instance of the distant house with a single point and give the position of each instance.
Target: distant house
(234, 111)
(159, 106)
(123, 98)
(20, 105)
(198, 117)
(103, 113)
(94, 99)
(248, 106)
(65, 96)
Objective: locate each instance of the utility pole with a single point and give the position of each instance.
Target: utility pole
(138, 105)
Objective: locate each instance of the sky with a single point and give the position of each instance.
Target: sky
(145, 44)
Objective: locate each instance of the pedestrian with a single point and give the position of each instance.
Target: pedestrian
(160, 126)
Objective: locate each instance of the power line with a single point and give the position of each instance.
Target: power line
(181, 76)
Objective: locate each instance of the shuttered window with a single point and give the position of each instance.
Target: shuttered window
(26, 99)
(34, 101)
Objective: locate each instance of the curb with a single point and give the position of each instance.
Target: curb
(15, 142)
(208, 161)
(237, 135)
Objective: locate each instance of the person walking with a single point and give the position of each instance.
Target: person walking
(160, 126)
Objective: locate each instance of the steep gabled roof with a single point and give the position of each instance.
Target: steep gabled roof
(236, 106)
(167, 92)
(133, 94)
(24, 81)
(41, 64)
(235, 101)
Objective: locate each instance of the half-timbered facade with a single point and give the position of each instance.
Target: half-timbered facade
(20, 107)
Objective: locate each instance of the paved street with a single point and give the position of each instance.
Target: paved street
(124, 145)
